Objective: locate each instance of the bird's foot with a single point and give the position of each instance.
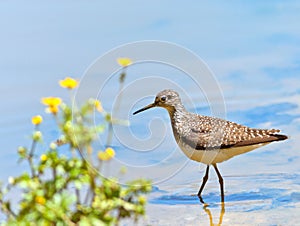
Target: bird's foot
(202, 201)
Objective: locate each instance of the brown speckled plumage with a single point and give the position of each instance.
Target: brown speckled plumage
(203, 132)
(207, 139)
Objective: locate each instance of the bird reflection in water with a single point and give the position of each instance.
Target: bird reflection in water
(210, 216)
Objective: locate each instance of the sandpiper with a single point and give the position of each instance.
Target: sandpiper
(210, 140)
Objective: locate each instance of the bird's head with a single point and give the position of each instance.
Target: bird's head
(168, 99)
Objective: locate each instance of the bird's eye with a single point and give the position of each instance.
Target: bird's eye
(163, 98)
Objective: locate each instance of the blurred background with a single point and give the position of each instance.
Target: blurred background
(253, 48)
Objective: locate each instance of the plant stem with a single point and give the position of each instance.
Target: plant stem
(30, 158)
(116, 109)
(109, 136)
(91, 189)
(77, 192)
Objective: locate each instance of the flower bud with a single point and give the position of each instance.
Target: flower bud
(37, 136)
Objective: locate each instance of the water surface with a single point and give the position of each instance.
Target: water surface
(252, 48)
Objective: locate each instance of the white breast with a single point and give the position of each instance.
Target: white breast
(216, 155)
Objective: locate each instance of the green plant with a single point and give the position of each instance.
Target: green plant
(69, 190)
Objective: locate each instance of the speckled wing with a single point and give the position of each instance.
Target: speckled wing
(213, 133)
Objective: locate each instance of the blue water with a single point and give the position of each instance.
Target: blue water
(253, 50)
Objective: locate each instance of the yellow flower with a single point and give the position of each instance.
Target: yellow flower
(68, 83)
(43, 157)
(103, 156)
(98, 106)
(52, 109)
(36, 120)
(51, 101)
(124, 62)
(110, 152)
(40, 200)
(142, 200)
(106, 155)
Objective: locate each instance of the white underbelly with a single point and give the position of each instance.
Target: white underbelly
(216, 155)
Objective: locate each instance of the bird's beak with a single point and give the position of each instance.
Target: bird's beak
(145, 108)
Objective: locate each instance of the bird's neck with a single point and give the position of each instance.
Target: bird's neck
(176, 112)
(177, 115)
